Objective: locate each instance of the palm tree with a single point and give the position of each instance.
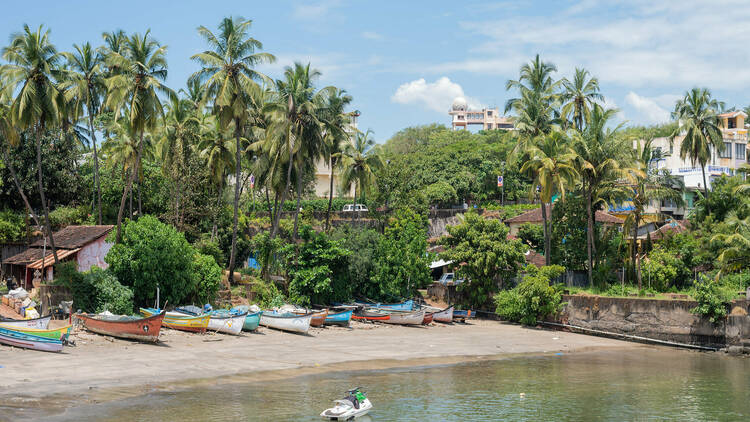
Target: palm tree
(336, 122)
(535, 108)
(735, 252)
(217, 148)
(359, 162)
(579, 97)
(648, 184)
(84, 83)
(32, 67)
(227, 74)
(602, 158)
(551, 165)
(142, 68)
(698, 120)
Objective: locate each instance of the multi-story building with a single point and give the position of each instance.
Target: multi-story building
(489, 118)
(324, 173)
(724, 160)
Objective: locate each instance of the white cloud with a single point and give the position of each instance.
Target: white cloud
(650, 109)
(372, 35)
(437, 96)
(314, 11)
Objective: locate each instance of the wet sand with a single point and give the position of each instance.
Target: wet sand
(101, 368)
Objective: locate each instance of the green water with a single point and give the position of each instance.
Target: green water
(646, 384)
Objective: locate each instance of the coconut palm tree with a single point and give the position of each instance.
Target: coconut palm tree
(698, 120)
(227, 73)
(31, 70)
(536, 107)
(648, 184)
(579, 96)
(142, 68)
(735, 252)
(84, 83)
(217, 148)
(336, 122)
(602, 158)
(359, 162)
(551, 164)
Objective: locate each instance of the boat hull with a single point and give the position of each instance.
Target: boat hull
(227, 325)
(427, 318)
(143, 329)
(295, 324)
(252, 321)
(339, 318)
(366, 315)
(197, 324)
(410, 318)
(40, 323)
(403, 306)
(462, 315)
(29, 341)
(55, 333)
(446, 315)
(318, 318)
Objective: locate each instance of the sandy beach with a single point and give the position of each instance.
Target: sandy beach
(101, 368)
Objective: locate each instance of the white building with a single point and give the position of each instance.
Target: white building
(489, 118)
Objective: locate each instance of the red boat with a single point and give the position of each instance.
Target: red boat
(129, 327)
(427, 318)
(370, 316)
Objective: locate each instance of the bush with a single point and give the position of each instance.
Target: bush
(441, 194)
(206, 247)
(153, 254)
(532, 235)
(96, 290)
(207, 278)
(12, 226)
(662, 270)
(712, 302)
(364, 246)
(533, 299)
(266, 294)
(65, 216)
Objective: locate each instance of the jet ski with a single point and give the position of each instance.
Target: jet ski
(354, 405)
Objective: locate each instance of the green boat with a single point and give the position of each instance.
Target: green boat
(252, 319)
(55, 333)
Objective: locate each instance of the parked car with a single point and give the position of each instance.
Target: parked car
(450, 279)
(358, 208)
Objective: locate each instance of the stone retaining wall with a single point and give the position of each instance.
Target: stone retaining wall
(669, 320)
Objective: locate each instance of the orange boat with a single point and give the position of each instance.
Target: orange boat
(318, 317)
(129, 327)
(427, 318)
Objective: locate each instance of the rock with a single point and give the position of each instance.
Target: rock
(735, 350)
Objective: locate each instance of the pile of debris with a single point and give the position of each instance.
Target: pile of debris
(21, 302)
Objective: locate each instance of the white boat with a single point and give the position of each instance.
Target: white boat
(286, 322)
(405, 318)
(222, 322)
(442, 315)
(41, 323)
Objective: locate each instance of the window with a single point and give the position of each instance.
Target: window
(726, 152)
(671, 148)
(489, 113)
(489, 125)
(739, 151)
(732, 123)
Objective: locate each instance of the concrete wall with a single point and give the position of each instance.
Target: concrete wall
(669, 320)
(93, 254)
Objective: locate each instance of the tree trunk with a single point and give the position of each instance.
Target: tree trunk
(299, 198)
(634, 251)
(97, 186)
(275, 227)
(130, 202)
(268, 204)
(12, 169)
(590, 235)
(215, 228)
(140, 189)
(546, 235)
(354, 203)
(127, 190)
(41, 195)
(705, 188)
(237, 174)
(637, 255)
(330, 197)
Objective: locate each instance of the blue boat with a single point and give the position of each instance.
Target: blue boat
(339, 318)
(462, 315)
(29, 341)
(403, 306)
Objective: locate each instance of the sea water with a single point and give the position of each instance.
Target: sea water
(658, 384)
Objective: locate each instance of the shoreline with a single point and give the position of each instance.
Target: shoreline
(101, 369)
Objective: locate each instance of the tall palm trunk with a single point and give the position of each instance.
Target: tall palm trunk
(13, 174)
(128, 189)
(590, 235)
(330, 196)
(41, 193)
(140, 201)
(705, 188)
(97, 186)
(634, 261)
(237, 175)
(546, 234)
(215, 228)
(299, 198)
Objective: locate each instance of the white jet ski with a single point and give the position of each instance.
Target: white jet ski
(354, 405)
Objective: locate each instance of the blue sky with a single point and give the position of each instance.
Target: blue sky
(404, 62)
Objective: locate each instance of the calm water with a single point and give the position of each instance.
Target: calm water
(649, 384)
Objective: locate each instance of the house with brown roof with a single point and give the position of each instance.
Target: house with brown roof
(535, 217)
(85, 245)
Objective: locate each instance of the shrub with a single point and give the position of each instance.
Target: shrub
(532, 235)
(207, 247)
(96, 290)
(207, 278)
(12, 226)
(663, 269)
(441, 194)
(65, 216)
(153, 254)
(265, 293)
(364, 246)
(532, 299)
(712, 302)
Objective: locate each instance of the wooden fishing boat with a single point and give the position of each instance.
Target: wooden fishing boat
(405, 318)
(445, 315)
(124, 326)
(402, 306)
(41, 323)
(177, 321)
(252, 319)
(318, 317)
(461, 316)
(29, 341)
(221, 321)
(427, 318)
(339, 318)
(371, 315)
(286, 322)
(54, 333)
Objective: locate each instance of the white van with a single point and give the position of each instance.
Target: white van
(358, 208)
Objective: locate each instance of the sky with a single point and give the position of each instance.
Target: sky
(405, 61)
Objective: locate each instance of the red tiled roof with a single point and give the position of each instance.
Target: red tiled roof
(73, 237)
(532, 257)
(535, 216)
(732, 113)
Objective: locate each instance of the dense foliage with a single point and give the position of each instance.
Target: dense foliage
(712, 301)
(534, 298)
(95, 290)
